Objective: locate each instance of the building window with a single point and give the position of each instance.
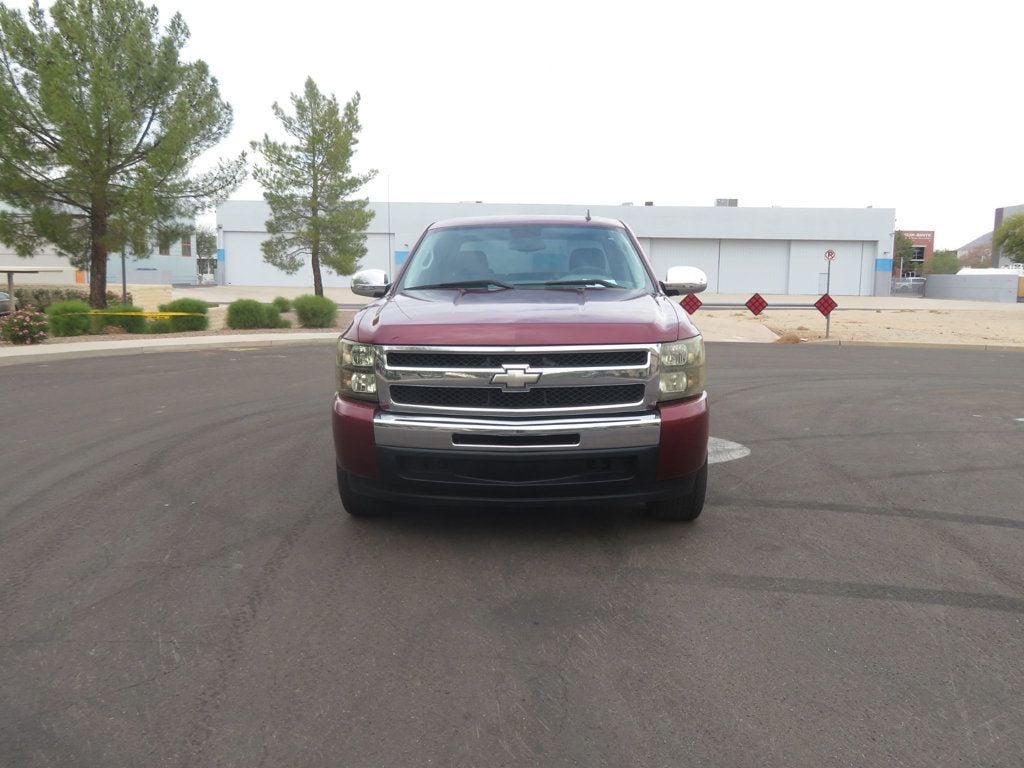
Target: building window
(186, 247)
(164, 247)
(918, 253)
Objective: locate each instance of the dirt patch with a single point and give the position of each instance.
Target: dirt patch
(969, 326)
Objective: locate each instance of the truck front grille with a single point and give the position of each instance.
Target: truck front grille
(518, 382)
(538, 397)
(624, 358)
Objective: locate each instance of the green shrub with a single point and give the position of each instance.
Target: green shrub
(284, 323)
(69, 318)
(179, 324)
(115, 318)
(135, 323)
(245, 313)
(282, 304)
(249, 313)
(160, 325)
(24, 326)
(315, 311)
(271, 316)
(42, 296)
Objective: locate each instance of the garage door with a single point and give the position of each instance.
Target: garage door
(671, 252)
(750, 266)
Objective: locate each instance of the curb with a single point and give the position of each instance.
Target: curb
(80, 351)
(918, 345)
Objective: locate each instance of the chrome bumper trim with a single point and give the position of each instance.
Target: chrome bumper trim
(394, 430)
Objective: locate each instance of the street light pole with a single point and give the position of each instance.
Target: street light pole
(124, 279)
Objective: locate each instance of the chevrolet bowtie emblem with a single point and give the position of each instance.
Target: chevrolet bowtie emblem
(515, 377)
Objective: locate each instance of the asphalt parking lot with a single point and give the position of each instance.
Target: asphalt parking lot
(179, 587)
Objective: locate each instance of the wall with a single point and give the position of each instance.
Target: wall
(48, 258)
(155, 269)
(244, 264)
(747, 246)
(1002, 288)
(172, 268)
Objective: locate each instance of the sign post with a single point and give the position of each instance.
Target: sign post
(830, 256)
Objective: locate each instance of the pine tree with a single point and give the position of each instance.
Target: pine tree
(308, 185)
(101, 123)
(1009, 238)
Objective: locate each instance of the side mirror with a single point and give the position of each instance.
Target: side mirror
(683, 280)
(370, 282)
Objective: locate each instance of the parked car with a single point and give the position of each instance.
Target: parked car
(523, 360)
(914, 285)
(5, 303)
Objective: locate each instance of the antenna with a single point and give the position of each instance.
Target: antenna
(588, 214)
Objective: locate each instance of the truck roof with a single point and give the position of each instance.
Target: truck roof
(527, 220)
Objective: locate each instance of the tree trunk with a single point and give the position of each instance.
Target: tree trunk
(318, 283)
(98, 260)
(314, 251)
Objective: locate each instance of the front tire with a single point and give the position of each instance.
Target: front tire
(354, 503)
(686, 508)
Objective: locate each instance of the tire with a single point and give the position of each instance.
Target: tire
(686, 508)
(354, 503)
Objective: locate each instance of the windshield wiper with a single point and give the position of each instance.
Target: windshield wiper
(581, 283)
(460, 284)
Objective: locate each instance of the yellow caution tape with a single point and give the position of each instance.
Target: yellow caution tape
(103, 313)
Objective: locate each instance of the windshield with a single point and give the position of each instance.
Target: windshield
(525, 256)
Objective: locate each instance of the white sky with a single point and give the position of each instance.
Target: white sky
(911, 105)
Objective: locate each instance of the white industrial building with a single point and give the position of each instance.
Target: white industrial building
(176, 265)
(742, 250)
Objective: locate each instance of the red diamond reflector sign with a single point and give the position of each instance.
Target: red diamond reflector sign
(756, 304)
(825, 305)
(691, 303)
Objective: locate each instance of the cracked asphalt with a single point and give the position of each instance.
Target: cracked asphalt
(179, 586)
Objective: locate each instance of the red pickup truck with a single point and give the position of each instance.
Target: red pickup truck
(523, 360)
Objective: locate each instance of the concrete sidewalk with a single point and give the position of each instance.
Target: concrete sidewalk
(34, 353)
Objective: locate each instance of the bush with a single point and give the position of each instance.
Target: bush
(69, 318)
(42, 296)
(245, 313)
(282, 304)
(271, 316)
(133, 324)
(24, 326)
(249, 313)
(179, 324)
(103, 323)
(160, 325)
(315, 311)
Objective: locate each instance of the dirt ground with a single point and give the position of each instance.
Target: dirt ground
(1003, 326)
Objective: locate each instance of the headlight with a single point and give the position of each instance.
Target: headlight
(356, 376)
(682, 369)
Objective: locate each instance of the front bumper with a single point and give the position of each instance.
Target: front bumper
(638, 456)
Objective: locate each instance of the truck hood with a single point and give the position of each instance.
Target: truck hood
(522, 317)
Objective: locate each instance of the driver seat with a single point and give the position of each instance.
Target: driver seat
(588, 261)
(468, 265)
